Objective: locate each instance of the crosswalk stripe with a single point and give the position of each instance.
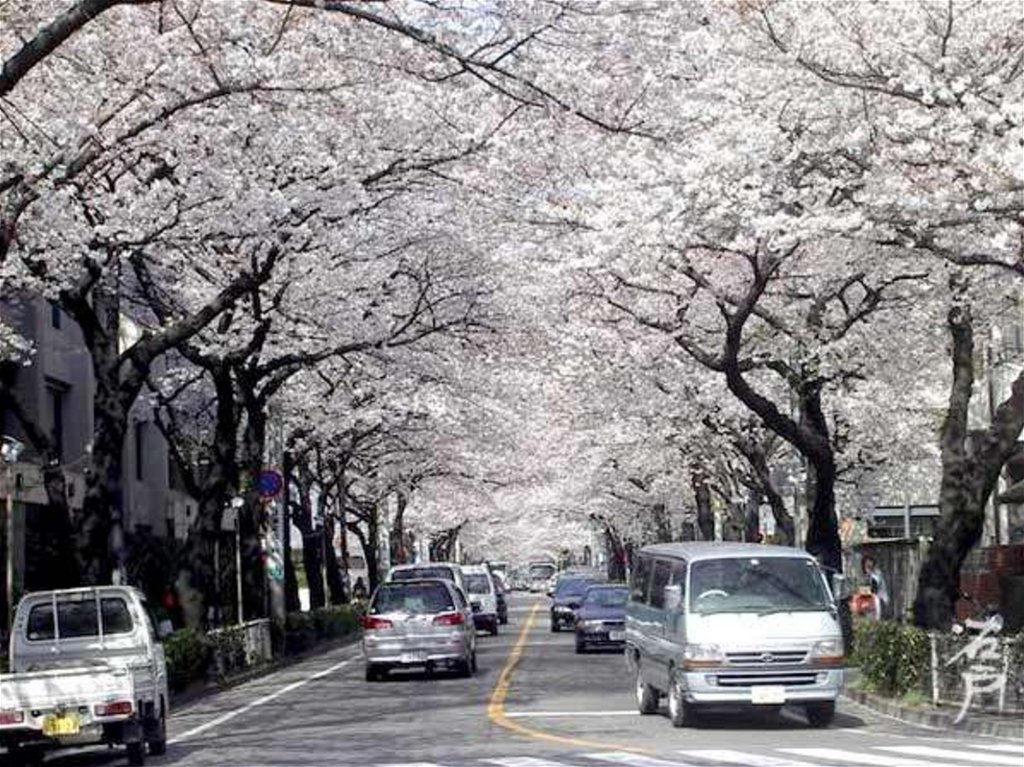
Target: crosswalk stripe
(947, 753)
(856, 757)
(635, 760)
(1006, 748)
(739, 757)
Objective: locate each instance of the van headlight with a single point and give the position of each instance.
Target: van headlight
(702, 656)
(827, 652)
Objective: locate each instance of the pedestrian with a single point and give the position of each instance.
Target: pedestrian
(877, 584)
(359, 590)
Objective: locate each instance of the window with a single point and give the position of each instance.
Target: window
(140, 439)
(478, 583)
(662, 576)
(57, 394)
(418, 573)
(679, 577)
(414, 598)
(78, 619)
(641, 577)
(55, 315)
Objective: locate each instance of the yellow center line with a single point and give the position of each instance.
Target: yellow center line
(496, 706)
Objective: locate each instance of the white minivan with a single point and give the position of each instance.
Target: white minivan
(724, 624)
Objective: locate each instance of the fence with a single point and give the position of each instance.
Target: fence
(976, 672)
(236, 648)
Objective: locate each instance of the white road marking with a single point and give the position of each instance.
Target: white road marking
(932, 752)
(527, 714)
(741, 758)
(1005, 748)
(524, 761)
(635, 760)
(259, 702)
(856, 757)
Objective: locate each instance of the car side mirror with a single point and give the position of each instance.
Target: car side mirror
(673, 597)
(164, 629)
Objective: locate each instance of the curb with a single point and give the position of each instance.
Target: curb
(197, 692)
(986, 725)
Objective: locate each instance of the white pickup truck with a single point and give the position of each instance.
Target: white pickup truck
(87, 667)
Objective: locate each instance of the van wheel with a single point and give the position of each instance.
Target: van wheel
(137, 753)
(679, 711)
(646, 696)
(821, 714)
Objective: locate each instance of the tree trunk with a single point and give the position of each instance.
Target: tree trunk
(255, 519)
(752, 519)
(335, 583)
(971, 463)
(397, 540)
(702, 496)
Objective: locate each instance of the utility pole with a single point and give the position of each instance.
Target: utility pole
(10, 452)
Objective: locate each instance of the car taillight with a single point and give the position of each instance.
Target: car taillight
(120, 708)
(449, 619)
(372, 623)
(12, 717)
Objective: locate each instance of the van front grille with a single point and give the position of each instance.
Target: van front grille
(766, 657)
(791, 679)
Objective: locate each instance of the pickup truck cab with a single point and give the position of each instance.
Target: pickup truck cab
(87, 667)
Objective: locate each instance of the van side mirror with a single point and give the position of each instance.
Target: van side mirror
(840, 587)
(673, 597)
(164, 629)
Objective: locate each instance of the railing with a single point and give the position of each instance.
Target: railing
(236, 648)
(980, 671)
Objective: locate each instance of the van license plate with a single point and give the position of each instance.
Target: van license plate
(770, 694)
(67, 724)
(616, 636)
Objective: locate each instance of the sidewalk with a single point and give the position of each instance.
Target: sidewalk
(975, 723)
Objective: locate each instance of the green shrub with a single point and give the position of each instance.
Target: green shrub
(303, 630)
(189, 655)
(893, 659)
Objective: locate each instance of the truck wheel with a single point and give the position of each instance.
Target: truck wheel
(158, 744)
(137, 753)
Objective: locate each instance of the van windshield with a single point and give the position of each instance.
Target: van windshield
(756, 585)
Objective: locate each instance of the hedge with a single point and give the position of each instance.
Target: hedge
(893, 659)
(193, 656)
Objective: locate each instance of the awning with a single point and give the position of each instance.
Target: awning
(1013, 494)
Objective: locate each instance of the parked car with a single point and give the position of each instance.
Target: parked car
(87, 667)
(601, 619)
(418, 623)
(483, 597)
(735, 625)
(568, 596)
(445, 570)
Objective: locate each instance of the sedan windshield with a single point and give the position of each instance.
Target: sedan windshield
(416, 573)
(756, 585)
(478, 583)
(601, 597)
(413, 598)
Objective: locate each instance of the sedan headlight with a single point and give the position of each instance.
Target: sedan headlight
(828, 652)
(702, 656)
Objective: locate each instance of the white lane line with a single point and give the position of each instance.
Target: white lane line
(259, 702)
(529, 714)
(635, 760)
(856, 757)
(739, 757)
(932, 752)
(524, 761)
(1005, 748)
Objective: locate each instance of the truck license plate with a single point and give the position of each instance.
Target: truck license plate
(55, 725)
(769, 694)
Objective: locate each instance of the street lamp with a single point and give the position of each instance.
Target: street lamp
(10, 452)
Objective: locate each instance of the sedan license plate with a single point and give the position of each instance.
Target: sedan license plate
(413, 657)
(769, 694)
(616, 636)
(56, 725)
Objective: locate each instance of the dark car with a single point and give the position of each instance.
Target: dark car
(601, 619)
(568, 596)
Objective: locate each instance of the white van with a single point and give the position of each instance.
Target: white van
(722, 624)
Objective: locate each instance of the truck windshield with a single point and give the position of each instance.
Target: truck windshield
(77, 618)
(756, 585)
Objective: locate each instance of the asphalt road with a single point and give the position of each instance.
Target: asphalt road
(547, 708)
